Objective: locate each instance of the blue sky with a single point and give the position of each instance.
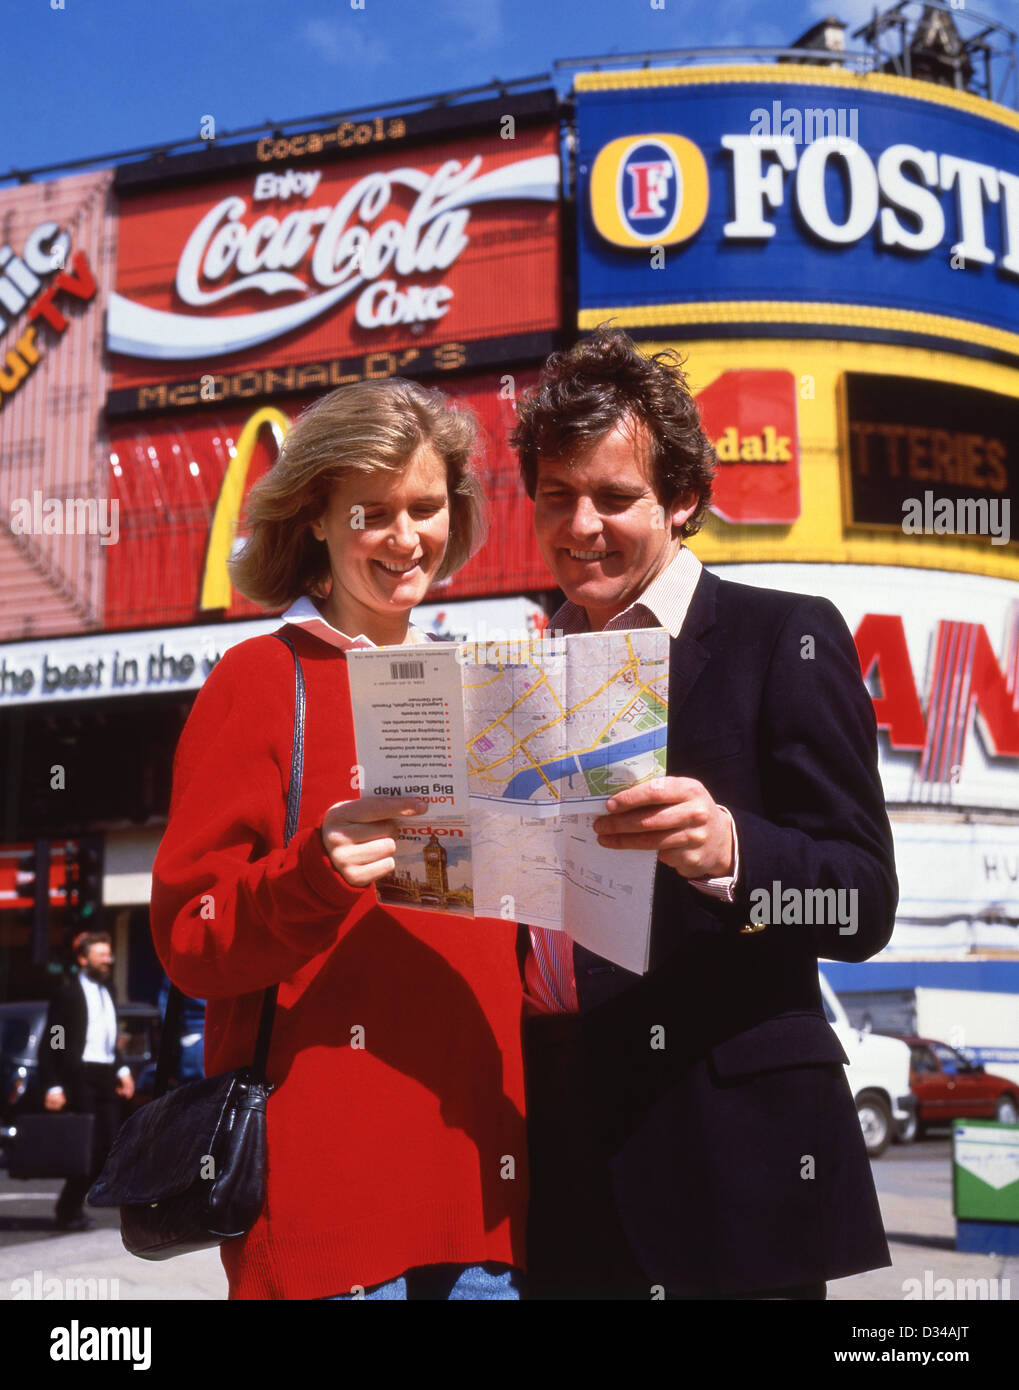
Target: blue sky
(97, 76)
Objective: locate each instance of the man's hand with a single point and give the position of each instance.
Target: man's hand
(55, 1100)
(125, 1086)
(677, 817)
(360, 836)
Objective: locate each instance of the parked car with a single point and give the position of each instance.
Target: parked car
(878, 1076)
(22, 1025)
(138, 1027)
(948, 1086)
(22, 1030)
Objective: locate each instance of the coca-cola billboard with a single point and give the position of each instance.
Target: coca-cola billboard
(394, 253)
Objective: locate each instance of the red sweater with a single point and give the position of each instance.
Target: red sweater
(405, 1150)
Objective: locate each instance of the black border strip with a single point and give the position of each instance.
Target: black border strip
(418, 127)
(311, 378)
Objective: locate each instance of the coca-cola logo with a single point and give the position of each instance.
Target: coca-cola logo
(363, 242)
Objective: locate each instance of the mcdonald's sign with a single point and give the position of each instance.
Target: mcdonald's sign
(216, 591)
(181, 484)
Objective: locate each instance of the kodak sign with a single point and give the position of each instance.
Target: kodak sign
(750, 418)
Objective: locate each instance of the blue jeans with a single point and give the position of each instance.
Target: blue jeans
(445, 1283)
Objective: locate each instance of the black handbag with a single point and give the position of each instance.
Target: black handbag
(188, 1169)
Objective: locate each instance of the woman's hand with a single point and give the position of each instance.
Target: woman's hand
(360, 836)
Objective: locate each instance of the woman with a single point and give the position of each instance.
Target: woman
(396, 1140)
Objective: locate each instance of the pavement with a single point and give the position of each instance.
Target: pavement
(921, 1239)
(914, 1188)
(98, 1257)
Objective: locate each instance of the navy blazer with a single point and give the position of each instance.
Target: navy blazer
(736, 1157)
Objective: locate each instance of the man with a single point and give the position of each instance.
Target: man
(693, 1133)
(81, 1065)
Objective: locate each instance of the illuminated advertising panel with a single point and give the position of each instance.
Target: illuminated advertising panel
(750, 418)
(829, 203)
(929, 458)
(181, 481)
(940, 655)
(172, 660)
(896, 456)
(294, 278)
(57, 248)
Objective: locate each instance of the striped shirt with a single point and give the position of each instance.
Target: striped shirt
(548, 970)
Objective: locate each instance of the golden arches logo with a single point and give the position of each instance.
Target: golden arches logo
(618, 203)
(217, 591)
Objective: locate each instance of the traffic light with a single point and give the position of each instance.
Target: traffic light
(83, 885)
(32, 885)
(23, 898)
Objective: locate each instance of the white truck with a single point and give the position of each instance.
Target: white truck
(878, 1076)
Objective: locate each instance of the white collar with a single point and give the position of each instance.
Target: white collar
(667, 598)
(304, 614)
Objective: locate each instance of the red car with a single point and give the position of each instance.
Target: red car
(949, 1087)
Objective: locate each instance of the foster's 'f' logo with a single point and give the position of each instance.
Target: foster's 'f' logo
(649, 190)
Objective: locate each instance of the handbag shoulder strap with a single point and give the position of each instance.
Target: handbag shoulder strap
(261, 1057)
(175, 1000)
(297, 753)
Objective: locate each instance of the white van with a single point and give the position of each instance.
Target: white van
(878, 1076)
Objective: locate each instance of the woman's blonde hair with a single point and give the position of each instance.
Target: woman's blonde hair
(367, 427)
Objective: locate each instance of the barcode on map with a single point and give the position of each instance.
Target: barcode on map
(407, 670)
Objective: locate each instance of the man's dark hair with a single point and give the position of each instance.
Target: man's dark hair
(604, 381)
(85, 940)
